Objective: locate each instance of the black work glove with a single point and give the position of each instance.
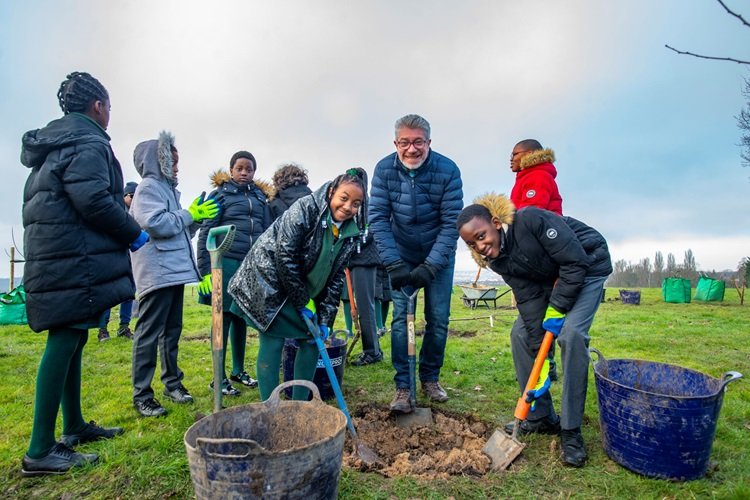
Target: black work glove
(422, 275)
(399, 274)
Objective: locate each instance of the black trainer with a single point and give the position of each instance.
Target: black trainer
(244, 379)
(574, 451)
(367, 359)
(544, 425)
(179, 395)
(124, 331)
(150, 408)
(227, 389)
(59, 460)
(91, 432)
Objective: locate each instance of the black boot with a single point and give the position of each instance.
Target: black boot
(545, 425)
(574, 451)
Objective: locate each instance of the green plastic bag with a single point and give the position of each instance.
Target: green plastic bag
(676, 290)
(709, 290)
(13, 307)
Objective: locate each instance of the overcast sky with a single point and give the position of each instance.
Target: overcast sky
(646, 140)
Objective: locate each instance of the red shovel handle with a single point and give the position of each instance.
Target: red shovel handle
(522, 407)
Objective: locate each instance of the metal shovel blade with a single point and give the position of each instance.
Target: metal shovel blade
(502, 449)
(419, 417)
(368, 456)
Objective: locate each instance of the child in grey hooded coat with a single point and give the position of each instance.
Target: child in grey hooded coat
(161, 270)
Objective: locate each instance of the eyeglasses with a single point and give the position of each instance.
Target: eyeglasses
(514, 153)
(128, 195)
(417, 143)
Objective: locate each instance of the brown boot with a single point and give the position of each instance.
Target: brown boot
(434, 391)
(401, 401)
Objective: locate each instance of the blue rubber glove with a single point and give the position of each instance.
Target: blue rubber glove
(309, 311)
(553, 321)
(139, 241)
(204, 287)
(324, 332)
(541, 387)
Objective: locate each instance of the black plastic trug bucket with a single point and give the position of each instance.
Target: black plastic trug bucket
(336, 350)
(630, 297)
(658, 420)
(274, 449)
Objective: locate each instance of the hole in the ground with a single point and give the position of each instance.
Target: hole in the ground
(452, 446)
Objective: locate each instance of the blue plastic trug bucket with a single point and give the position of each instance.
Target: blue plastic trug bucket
(657, 419)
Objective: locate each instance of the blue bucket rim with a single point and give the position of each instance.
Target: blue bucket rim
(728, 377)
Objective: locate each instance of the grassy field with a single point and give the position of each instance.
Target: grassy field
(149, 460)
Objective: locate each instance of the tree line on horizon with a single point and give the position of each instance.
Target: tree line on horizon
(648, 273)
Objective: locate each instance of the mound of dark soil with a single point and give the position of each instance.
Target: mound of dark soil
(452, 446)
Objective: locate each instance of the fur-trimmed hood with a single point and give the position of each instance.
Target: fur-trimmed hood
(153, 158)
(537, 158)
(500, 207)
(220, 177)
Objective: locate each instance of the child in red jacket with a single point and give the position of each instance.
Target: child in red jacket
(535, 177)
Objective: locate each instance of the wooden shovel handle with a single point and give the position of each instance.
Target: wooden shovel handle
(350, 292)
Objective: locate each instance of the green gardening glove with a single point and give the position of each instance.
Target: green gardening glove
(202, 209)
(309, 311)
(204, 287)
(553, 321)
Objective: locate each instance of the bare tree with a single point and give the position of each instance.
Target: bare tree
(744, 270)
(690, 268)
(658, 267)
(729, 59)
(644, 272)
(671, 264)
(743, 122)
(743, 119)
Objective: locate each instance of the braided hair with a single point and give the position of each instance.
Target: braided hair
(79, 91)
(356, 176)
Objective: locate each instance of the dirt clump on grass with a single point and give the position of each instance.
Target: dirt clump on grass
(451, 446)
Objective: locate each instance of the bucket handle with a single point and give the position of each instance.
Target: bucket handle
(273, 400)
(206, 445)
(601, 361)
(340, 331)
(599, 355)
(730, 376)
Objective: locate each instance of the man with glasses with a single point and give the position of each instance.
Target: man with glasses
(415, 199)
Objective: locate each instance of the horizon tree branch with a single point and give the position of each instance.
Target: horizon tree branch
(730, 59)
(742, 20)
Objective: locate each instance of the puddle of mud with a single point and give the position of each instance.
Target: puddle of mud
(452, 446)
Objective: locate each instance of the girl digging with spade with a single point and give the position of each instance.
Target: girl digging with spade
(296, 270)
